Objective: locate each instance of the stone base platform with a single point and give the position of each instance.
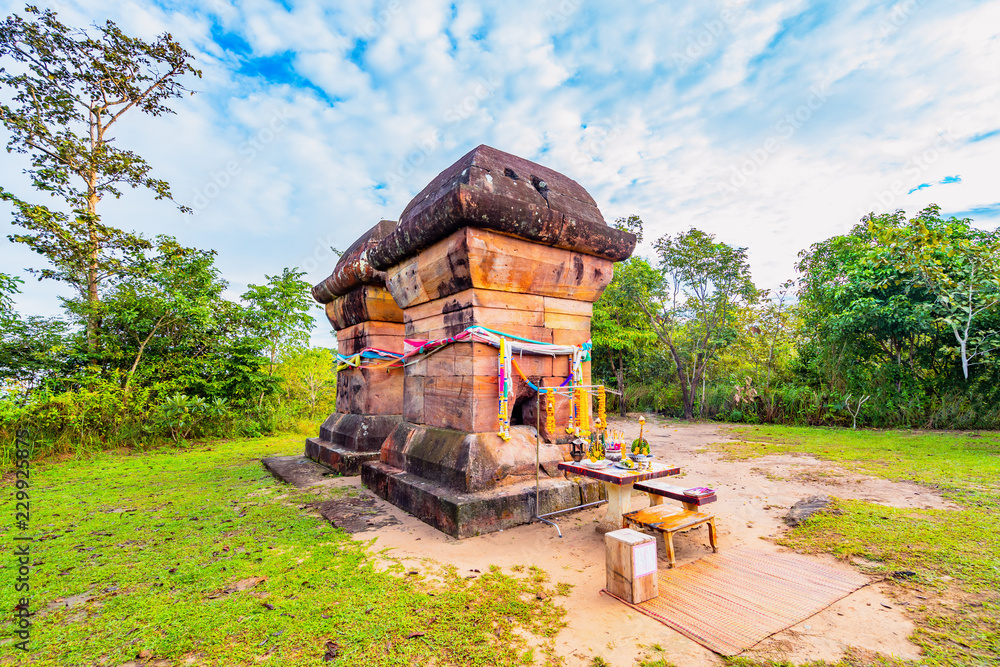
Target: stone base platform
(360, 433)
(468, 514)
(347, 440)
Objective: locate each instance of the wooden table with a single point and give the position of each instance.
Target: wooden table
(618, 486)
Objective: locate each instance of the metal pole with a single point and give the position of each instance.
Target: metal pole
(538, 463)
(538, 440)
(572, 509)
(538, 444)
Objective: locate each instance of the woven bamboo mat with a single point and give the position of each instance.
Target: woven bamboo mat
(732, 600)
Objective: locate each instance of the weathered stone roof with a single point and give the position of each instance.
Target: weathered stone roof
(354, 268)
(494, 190)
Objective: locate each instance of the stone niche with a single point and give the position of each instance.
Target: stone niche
(369, 401)
(509, 245)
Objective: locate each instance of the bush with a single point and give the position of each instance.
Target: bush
(97, 414)
(183, 416)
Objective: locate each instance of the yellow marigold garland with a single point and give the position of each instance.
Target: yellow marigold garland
(582, 413)
(602, 408)
(550, 411)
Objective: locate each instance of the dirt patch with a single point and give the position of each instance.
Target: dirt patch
(69, 602)
(801, 471)
(754, 496)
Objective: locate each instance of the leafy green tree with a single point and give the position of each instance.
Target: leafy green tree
(864, 325)
(751, 373)
(632, 224)
(8, 287)
(237, 371)
(164, 297)
(37, 351)
(620, 331)
(33, 350)
(169, 330)
(279, 313)
(690, 303)
(309, 377)
(69, 90)
(774, 327)
(905, 311)
(959, 267)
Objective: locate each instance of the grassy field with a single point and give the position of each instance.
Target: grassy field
(200, 557)
(943, 565)
(197, 556)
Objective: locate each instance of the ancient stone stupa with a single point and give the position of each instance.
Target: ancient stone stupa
(521, 251)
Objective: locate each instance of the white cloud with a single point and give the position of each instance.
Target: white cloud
(653, 108)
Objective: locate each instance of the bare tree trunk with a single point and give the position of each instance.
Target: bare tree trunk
(686, 392)
(93, 297)
(138, 356)
(701, 407)
(619, 371)
(620, 375)
(92, 300)
(698, 377)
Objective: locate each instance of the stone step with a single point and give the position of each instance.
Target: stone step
(468, 514)
(357, 432)
(298, 471)
(339, 459)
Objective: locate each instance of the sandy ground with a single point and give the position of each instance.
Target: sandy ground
(753, 495)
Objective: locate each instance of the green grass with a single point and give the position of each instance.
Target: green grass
(852, 658)
(964, 466)
(153, 546)
(945, 564)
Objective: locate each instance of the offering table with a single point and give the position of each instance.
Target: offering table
(618, 485)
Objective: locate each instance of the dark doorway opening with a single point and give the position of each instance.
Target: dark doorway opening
(523, 413)
(517, 414)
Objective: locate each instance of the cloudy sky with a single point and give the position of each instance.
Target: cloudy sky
(773, 125)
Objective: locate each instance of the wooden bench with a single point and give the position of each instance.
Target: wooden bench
(658, 490)
(669, 520)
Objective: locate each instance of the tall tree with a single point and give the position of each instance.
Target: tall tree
(773, 327)
(8, 287)
(620, 330)
(69, 89)
(279, 313)
(864, 325)
(691, 304)
(165, 297)
(959, 266)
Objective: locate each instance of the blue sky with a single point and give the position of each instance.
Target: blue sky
(773, 125)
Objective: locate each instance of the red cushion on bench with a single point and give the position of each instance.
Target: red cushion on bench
(658, 488)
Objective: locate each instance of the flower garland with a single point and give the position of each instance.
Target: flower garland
(507, 345)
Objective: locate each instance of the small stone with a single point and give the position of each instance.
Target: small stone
(806, 508)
